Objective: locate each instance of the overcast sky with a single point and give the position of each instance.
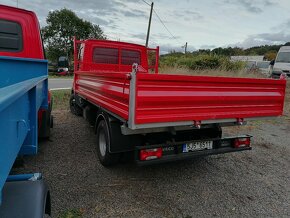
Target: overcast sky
(203, 24)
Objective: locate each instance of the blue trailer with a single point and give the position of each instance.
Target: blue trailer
(24, 112)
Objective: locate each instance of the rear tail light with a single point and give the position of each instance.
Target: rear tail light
(283, 76)
(150, 154)
(40, 116)
(242, 142)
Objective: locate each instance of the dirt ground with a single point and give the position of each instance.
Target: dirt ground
(245, 184)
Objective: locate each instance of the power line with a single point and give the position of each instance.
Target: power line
(161, 21)
(146, 2)
(163, 24)
(159, 18)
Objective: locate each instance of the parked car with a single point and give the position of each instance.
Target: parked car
(263, 67)
(63, 66)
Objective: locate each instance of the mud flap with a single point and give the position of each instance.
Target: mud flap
(25, 199)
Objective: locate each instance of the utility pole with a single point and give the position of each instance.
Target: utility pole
(185, 48)
(149, 25)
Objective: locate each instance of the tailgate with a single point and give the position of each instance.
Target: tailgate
(160, 100)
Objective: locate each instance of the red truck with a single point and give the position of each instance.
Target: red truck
(162, 117)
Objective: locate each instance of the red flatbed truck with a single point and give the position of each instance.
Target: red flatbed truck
(163, 117)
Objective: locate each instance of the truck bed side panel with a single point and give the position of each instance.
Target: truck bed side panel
(173, 98)
(107, 90)
(23, 90)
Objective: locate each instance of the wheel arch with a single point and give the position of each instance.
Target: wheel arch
(101, 116)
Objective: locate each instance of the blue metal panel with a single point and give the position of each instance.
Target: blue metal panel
(23, 177)
(23, 90)
(14, 70)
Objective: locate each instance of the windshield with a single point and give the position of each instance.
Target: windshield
(283, 57)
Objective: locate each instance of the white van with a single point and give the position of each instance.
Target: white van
(282, 62)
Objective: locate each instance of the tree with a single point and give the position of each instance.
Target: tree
(271, 55)
(62, 26)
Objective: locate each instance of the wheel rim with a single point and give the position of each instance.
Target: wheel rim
(102, 143)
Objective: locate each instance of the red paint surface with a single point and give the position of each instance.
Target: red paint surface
(108, 90)
(171, 98)
(32, 43)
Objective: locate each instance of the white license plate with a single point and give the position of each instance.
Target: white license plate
(197, 146)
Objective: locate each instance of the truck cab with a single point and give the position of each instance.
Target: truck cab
(114, 56)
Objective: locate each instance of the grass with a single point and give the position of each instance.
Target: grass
(74, 213)
(60, 77)
(201, 61)
(211, 72)
(61, 99)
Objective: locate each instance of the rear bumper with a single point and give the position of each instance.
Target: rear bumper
(191, 155)
(220, 146)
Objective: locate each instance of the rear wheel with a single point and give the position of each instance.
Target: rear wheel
(103, 145)
(74, 108)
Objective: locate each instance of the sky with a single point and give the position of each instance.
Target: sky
(203, 24)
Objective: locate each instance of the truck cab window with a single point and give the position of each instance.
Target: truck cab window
(10, 36)
(105, 55)
(129, 57)
(81, 52)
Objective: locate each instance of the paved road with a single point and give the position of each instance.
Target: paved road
(59, 83)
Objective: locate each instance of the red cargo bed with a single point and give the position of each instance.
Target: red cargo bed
(158, 100)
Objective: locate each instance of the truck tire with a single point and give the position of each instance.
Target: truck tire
(74, 108)
(103, 145)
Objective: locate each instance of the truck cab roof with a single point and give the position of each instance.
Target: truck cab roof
(19, 31)
(112, 43)
(284, 49)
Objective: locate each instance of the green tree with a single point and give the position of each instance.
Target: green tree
(271, 55)
(229, 51)
(62, 26)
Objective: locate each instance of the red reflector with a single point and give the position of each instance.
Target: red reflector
(283, 76)
(242, 142)
(150, 154)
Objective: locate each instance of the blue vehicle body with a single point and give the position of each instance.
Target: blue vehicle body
(23, 91)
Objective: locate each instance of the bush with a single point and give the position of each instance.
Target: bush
(200, 62)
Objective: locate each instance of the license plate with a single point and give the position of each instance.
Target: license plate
(197, 146)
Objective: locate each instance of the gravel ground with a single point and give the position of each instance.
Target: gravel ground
(246, 184)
